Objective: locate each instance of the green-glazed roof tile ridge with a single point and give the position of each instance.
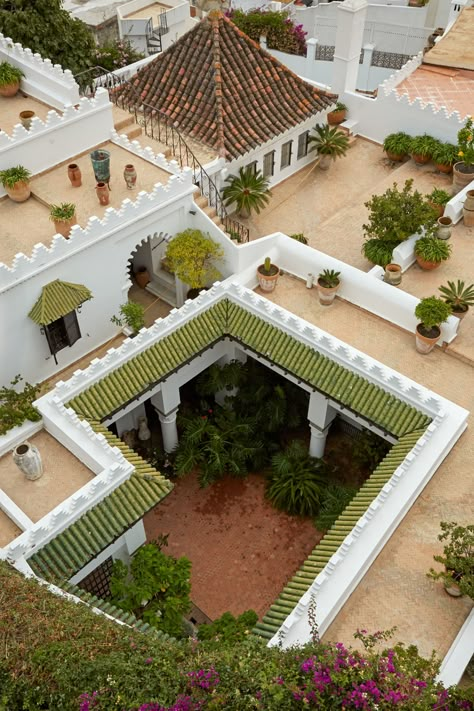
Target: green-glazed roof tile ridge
(331, 540)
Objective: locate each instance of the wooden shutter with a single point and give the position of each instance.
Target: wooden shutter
(71, 326)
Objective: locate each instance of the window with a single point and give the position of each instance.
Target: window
(252, 167)
(286, 154)
(269, 164)
(303, 145)
(62, 332)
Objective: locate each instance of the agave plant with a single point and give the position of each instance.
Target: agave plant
(327, 141)
(329, 278)
(458, 296)
(249, 189)
(63, 211)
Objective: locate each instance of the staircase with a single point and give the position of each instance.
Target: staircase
(208, 210)
(124, 123)
(163, 285)
(348, 128)
(153, 42)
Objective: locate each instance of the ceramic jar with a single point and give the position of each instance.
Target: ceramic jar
(27, 458)
(26, 118)
(393, 274)
(130, 176)
(143, 430)
(102, 193)
(74, 174)
(444, 227)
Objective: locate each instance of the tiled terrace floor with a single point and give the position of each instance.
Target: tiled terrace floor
(242, 549)
(395, 591)
(28, 223)
(152, 10)
(63, 475)
(10, 109)
(453, 89)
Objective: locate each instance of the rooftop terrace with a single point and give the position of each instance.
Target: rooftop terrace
(452, 88)
(10, 110)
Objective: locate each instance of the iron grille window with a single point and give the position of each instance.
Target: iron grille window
(62, 332)
(286, 151)
(303, 145)
(98, 582)
(269, 164)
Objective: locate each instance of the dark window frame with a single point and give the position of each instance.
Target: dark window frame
(303, 143)
(266, 156)
(289, 157)
(253, 166)
(62, 333)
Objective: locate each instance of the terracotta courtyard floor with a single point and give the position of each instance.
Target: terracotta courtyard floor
(243, 551)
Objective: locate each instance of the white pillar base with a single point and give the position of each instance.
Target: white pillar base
(169, 431)
(317, 442)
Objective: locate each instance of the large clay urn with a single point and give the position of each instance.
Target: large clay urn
(27, 458)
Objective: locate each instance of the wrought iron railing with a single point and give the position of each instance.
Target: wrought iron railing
(157, 125)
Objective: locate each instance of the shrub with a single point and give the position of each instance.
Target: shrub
(279, 29)
(191, 254)
(422, 146)
(457, 558)
(379, 251)
(444, 153)
(432, 311)
(16, 406)
(9, 74)
(116, 54)
(296, 482)
(438, 197)
(132, 314)
(228, 628)
(466, 143)
(432, 249)
(397, 143)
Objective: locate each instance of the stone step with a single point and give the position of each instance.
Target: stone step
(123, 123)
(133, 132)
(200, 200)
(162, 290)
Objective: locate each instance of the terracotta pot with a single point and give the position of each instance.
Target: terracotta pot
(468, 217)
(393, 274)
(63, 227)
(326, 294)
(427, 266)
(395, 157)
(130, 176)
(267, 282)
(10, 89)
(27, 458)
(20, 191)
(74, 174)
(438, 209)
(26, 118)
(102, 193)
(142, 277)
(192, 11)
(420, 160)
(452, 589)
(336, 117)
(424, 343)
(462, 175)
(444, 168)
(469, 201)
(444, 227)
(461, 313)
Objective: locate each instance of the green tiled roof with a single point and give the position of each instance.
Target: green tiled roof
(114, 611)
(229, 319)
(331, 541)
(57, 299)
(84, 539)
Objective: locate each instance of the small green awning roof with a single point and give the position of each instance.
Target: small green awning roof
(57, 299)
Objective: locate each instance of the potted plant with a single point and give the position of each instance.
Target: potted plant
(131, 319)
(338, 115)
(190, 255)
(438, 199)
(299, 237)
(457, 558)
(397, 146)
(16, 182)
(142, 277)
(328, 283)
(421, 149)
(330, 143)
(267, 275)
(64, 217)
(444, 155)
(431, 312)
(430, 252)
(463, 170)
(459, 297)
(10, 78)
(249, 190)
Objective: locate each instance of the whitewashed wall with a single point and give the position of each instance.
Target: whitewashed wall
(53, 141)
(43, 80)
(177, 17)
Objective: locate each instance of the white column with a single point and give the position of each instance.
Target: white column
(311, 45)
(317, 442)
(169, 430)
(351, 16)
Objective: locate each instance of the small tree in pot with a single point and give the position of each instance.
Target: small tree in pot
(249, 190)
(457, 558)
(10, 78)
(459, 297)
(438, 199)
(16, 182)
(421, 148)
(444, 155)
(328, 284)
(64, 217)
(132, 318)
(463, 170)
(190, 255)
(267, 275)
(330, 143)
(431, 312)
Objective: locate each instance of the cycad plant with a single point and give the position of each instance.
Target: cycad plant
(459, 297)
(330, 142)
(249, 189)
(297, 480)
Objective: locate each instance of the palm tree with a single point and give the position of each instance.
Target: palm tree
(329, 142)
(249, 190)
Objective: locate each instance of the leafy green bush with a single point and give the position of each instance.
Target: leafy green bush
(297, 480)
(379, 251)
(397, 214)
(368, 450)
(432, 249)
(156, 588)
(423, 146)
(457, 558)
(432, 311)
(9, 74)
(116, 54)
(191, 255)
(17, 406)
(397, 143)
(228, 628)
(132, 314)
(335, 497)
(11, 176)
(444, 153)
(279, 29)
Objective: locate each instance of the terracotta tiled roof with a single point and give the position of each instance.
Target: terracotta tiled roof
(220, 87)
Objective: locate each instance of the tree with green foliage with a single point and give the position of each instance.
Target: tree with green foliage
(16, 406)
(45, 27)
(155, 588)
(191, 255)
